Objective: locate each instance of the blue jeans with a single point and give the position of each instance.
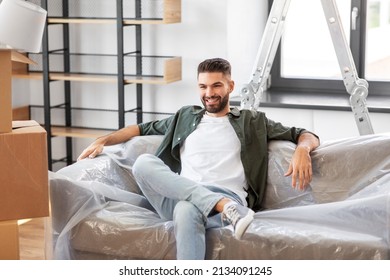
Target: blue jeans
(188, 204)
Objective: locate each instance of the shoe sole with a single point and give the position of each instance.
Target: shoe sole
(243, 224)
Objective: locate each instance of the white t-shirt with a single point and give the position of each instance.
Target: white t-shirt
(211, 156)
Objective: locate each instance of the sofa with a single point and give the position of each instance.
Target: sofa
(98, 211)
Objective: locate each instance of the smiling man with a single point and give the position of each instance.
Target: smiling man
(215, 88)
(211, 167)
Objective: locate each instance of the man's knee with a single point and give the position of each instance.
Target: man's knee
(142, 164)
(186, 211)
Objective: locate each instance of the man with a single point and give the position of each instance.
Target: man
(212, 162)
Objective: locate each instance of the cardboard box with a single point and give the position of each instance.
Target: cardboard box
(7, 59)
(24, 172)
(5, 91)
(9, 240)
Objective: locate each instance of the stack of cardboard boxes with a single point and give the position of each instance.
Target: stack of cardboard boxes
(23, 164)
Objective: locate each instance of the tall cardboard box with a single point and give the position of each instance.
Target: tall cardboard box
(9, 240)
(24, 183)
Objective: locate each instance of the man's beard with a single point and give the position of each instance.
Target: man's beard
(216, 108)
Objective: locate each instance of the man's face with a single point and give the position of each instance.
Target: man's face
(214, 92)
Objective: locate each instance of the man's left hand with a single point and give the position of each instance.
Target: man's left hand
(300, 168)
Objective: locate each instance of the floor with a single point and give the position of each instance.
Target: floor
(32, 239)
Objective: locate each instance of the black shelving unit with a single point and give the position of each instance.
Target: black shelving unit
(57, 65)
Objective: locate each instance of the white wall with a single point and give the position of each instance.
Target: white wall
(328, 125)
(20, 93)
(222, 28)
(229, 29)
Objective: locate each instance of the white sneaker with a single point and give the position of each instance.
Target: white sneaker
(239, 216)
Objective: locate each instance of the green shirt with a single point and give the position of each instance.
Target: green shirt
(253, 129)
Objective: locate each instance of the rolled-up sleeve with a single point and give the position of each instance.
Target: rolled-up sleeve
(158, 127)
(277, 131)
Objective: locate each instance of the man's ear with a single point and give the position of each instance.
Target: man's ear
(231, 86)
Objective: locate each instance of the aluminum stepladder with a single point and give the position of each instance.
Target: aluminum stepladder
(252, 92)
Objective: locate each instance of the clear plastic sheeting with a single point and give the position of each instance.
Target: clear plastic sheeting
(98, 212)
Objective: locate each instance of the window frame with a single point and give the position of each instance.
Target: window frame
(321, 86)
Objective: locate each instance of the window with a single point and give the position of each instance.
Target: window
(306, 60)
(377, 64)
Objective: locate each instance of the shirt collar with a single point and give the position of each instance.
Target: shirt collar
(235, 112)
(200, 111)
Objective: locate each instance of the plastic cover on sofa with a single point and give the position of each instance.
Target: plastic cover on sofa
(98, 211)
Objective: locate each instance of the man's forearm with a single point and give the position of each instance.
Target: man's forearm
(309, 141)
(119, 136)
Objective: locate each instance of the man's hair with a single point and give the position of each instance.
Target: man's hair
(213, 65)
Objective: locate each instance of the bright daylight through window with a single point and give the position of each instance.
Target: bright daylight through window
(307, 53)
(378, 40)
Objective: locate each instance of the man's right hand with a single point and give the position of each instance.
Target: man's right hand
(92, 150)
(119, 136)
